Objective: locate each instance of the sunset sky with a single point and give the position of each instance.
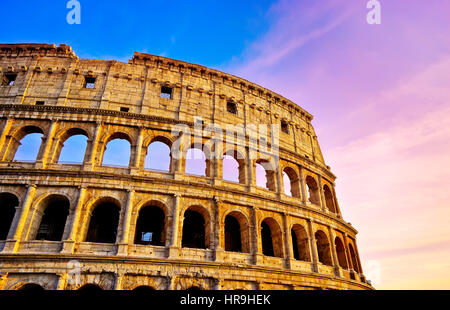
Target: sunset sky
(380, 96)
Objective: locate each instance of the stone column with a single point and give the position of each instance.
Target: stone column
(17, 226)
(62, 281)
(137, 154)
(336, 205)
(287, 242)
(302, 185)
(174, 242)
(251, 181)
(91, 150)
(256, 248)
(72, 230)
(47, 142)
(333, 251)
(218, 249)
(3, 137)
(118, 282)
(322, 195)
(124, 234)
(313, 247)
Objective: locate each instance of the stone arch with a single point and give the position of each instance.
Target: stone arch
(236, 241)
(300, 243)
(196, 231)
(329, 199)
(31, 287)
(294, 182)
(142, 289)
(353, 258)
(17, 136)
(87, 288)
(50, 217)
(8, 204)
(239, 158)
(271, 238)
(340, 251)
(269, 169)
(168, 143)
(103, 221)
(115, 136)
(205, 151)
(63, 137)
(151, 217)
(313, 190)
(323, 248)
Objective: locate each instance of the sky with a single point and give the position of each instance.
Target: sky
(379, 93)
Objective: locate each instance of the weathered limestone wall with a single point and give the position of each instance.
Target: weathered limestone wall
(56, 78)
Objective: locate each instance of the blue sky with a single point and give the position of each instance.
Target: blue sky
(205, 32)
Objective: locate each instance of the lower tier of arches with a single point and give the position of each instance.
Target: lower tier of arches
(59, 272)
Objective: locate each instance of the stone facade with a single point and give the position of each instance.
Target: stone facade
(48, 90)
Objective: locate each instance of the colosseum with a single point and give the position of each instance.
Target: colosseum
(94, 225)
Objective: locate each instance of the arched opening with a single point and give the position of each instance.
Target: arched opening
(233, 167)
(300, 243)
(271, 239)
(291, 182)
(233, 241)
(353, 258)
(103, 223)
(117, 151)
(323, 248)
(340, 251)
(158, 156)
(8, 204)
(329, 201)
(72, 147)
(265, 175)
(90, 288)
(143, 289)
(29, 145)
(313, 190)
(31, 287)
(196, 163)
(194, 234)
(54, 218)
(230, 169)
(150, 226)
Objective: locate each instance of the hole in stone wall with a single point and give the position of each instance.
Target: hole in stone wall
(150, 226)
(103, 223)
(53, 221)
(166, 92)
(232, 234)
(8, 204)
(193, 230)
(89, 82)
(9, 79)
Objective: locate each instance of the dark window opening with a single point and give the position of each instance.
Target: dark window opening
(31, 287)
(166, 92)
(8, 204)
(9, 79)
(150, 226)
(340, 251)
(40, 102)
(90, 288)
(231, 107)
(53, 221)
(89, 82)
(232, 234)
(193, 230)
(266, 238)
(143, 289)
(284, 127)
(123, 109)
(294, 245)
(323, 248)
(103, 224)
